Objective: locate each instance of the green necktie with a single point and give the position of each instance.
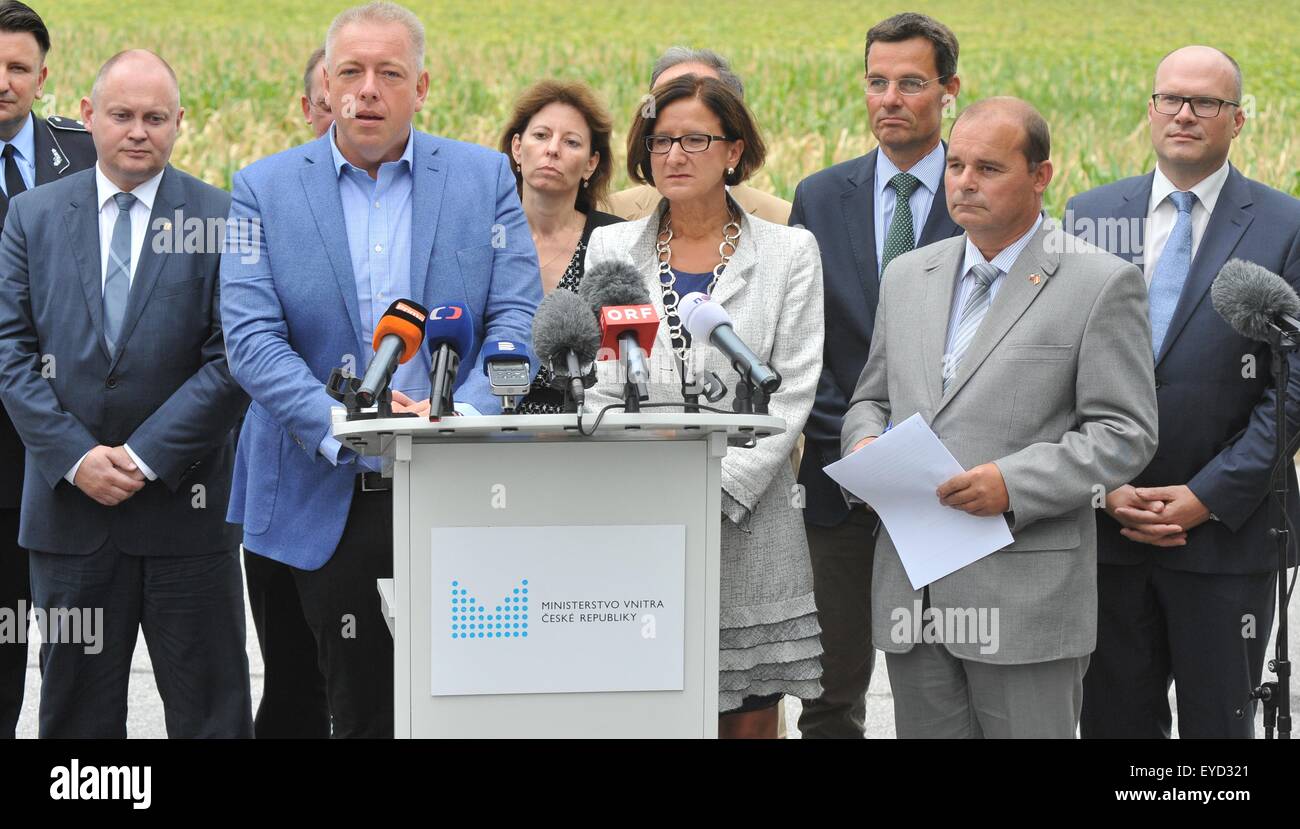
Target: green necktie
(902, 237)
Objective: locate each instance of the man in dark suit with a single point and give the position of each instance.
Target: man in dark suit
(35, 151)
(865, 212)
(1186, 568)
(114, 371)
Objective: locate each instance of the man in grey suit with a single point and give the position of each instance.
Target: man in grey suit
(114, 372)
(1028, 353)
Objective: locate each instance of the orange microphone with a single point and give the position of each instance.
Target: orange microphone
(398, 336)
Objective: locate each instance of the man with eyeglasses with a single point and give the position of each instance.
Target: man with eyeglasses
(865, 212)
(1186, 566)
(315, 106)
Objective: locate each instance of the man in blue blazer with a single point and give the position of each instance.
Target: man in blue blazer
(370, 212)
(1186, 567)
(114, 372)
(853, 210)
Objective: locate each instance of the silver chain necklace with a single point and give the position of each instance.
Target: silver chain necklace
(668, 279)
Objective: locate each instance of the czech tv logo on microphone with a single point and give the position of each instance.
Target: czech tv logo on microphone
(471, 618)
(447, 312)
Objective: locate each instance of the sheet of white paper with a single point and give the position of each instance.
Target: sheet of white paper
(897, 474)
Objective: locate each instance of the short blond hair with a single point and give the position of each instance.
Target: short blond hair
(378, 12)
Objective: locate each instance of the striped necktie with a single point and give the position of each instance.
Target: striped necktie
(972, 314)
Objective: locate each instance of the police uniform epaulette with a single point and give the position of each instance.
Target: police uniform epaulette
(61, 123)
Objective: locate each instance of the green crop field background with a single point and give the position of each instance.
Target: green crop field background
(1087, 67)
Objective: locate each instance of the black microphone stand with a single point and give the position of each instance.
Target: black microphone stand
(1276, 695)
(342, 386)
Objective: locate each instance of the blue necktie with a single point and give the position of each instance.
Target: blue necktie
(1171, 270)
(117, 279)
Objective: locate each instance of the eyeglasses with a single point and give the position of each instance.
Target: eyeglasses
(1203, 106)
(906, 86)
(693, 142)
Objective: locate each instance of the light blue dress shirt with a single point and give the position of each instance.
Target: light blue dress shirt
(929, 171)
(25, 154)
(966, 282)
(377, 215)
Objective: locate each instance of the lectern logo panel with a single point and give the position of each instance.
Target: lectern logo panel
(507, 617)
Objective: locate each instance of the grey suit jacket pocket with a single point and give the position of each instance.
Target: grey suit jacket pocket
(1047, 534)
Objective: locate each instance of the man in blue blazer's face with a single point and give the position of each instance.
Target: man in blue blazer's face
(375, 84)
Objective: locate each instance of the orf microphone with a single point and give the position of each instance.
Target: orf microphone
(566, 338)
(1257, 303)
(397, 337)
(618, 297)
(709, 321)
(450, 335)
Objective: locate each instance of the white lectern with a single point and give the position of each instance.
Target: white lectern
(552, 584)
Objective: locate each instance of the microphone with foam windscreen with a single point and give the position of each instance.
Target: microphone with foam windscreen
(397, 337)
(566, 338)
(708, 321)
(628, 322)
(450, 336)
(509, 371)
(1257, 303)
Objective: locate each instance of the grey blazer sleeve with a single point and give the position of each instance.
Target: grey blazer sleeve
(797, 357)
(1115, 407)
(869, 410)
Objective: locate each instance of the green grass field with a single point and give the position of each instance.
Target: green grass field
(1087, 69)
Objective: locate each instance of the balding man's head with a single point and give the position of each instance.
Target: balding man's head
(1219, 69)
(134, 115)
(997, 170)
(1195, 113)
(1036, 143)
(137, 66)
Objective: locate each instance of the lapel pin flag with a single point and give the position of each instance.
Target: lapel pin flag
(1034, 279)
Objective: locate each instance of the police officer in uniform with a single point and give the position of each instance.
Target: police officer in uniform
(33, 151)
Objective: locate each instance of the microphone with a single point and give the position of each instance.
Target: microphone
(397, 337)
(709, 321)
(1257, 303)
(509, 371)
(618, 297)
(450, 336)
(567, 338)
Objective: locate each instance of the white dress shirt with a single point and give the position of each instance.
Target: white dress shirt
(1162, 213)
(145, 194)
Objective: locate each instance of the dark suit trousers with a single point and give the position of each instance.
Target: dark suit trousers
(293, 702)
(1156, 625)
(842, 558)
(15, 588)
(340, 601)
(191, 609)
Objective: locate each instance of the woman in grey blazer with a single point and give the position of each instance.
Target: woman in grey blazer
(768, 278)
